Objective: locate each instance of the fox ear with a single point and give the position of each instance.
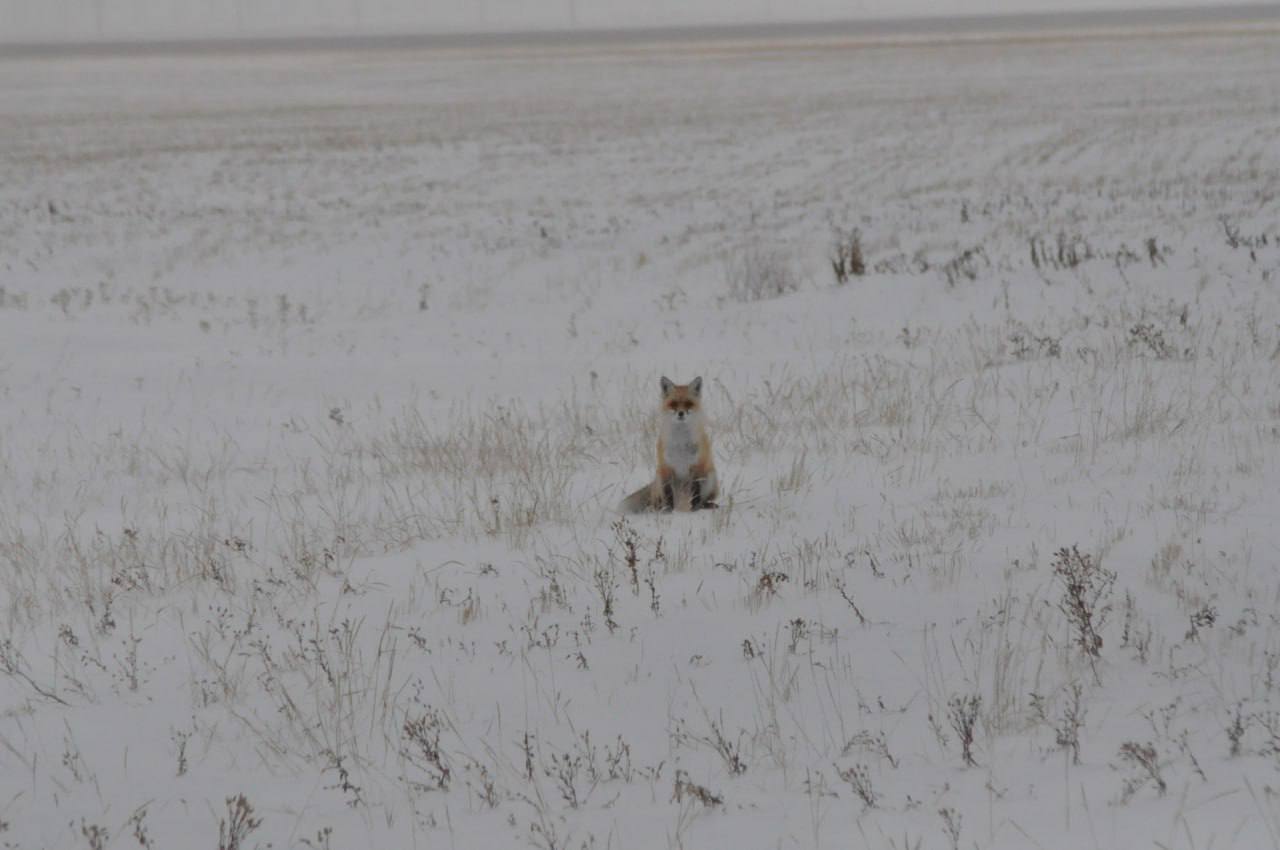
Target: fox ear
(667, 385)
(695, 387)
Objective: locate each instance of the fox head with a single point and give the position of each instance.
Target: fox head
(681, 402)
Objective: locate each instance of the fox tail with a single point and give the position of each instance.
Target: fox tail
(637, 502)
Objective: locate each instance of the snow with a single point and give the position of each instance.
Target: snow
(323, 372)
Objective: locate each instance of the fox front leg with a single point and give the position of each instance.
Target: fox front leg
(666, 487)
(699, 502)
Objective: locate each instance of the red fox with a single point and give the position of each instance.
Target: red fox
(685, 468)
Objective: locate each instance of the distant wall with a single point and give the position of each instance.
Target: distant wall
(89, 20)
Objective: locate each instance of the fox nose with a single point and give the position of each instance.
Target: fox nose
(680, 414)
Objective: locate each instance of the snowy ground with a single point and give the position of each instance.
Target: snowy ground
(321, 374)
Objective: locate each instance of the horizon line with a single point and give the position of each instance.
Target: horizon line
(926, 27)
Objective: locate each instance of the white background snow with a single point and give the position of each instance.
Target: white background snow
(321, 373)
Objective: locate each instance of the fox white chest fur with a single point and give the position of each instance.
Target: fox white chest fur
(680, 443)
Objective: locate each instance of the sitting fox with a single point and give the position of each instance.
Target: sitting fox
(686, 474)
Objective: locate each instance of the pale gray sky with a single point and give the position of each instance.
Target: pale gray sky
(77, 20)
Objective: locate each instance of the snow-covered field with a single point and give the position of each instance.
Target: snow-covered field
(322, 373)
